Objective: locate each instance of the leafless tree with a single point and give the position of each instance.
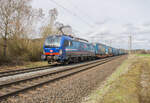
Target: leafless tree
(46, 31)
(16, 19)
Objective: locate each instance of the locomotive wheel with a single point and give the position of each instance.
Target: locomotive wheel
(66, 62)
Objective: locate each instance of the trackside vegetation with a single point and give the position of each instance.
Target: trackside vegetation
(25, 65)
(19, 40)
(128, 84)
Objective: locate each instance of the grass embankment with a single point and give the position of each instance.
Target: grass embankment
(130, 83)
(25, 65)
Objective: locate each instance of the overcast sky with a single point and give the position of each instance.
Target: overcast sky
(105, 21)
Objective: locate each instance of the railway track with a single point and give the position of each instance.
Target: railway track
(21, 71)
(26, 70)
(19, 85)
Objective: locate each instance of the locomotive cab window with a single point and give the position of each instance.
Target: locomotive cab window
(67, 43)
(52, 41)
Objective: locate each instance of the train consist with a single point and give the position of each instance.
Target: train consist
(65, 49)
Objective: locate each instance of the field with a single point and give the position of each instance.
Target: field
(130, 83)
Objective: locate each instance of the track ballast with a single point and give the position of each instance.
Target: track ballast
(14, 87)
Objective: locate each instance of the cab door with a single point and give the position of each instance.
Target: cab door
(66, 48)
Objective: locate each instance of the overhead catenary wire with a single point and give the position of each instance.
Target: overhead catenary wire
(70, 12)
(73, 14)
(84, 13)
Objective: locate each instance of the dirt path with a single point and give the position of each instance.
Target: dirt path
(71, 89)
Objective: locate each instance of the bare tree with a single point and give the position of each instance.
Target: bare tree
(16, 20)
(46, 31)
(6, 13)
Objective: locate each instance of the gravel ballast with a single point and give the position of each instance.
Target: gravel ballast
(71, 89)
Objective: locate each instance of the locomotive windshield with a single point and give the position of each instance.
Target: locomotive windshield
(52, 41)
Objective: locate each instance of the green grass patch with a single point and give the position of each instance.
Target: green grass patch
(143, 55)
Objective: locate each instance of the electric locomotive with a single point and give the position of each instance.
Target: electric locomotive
(66, 49)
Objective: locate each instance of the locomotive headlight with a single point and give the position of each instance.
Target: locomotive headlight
(60, 52)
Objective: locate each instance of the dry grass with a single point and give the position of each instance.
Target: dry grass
(130, 85)
(25, 65)
(145, 81)
(21, 53)
(21, 50)
(125, 89)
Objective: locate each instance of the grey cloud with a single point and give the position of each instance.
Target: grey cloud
(113, 20)
(146, 24)
(104, 21)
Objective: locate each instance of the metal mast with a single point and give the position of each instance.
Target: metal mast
(53, 14)
(130, 44)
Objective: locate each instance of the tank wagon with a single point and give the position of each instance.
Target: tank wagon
(65, 49)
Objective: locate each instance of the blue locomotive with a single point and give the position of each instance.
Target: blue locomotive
(66, 49)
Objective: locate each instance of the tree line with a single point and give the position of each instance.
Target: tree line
(18, 23)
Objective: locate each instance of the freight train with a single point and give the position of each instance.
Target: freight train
(65, 49)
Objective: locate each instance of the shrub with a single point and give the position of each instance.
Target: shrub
(20, 50)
